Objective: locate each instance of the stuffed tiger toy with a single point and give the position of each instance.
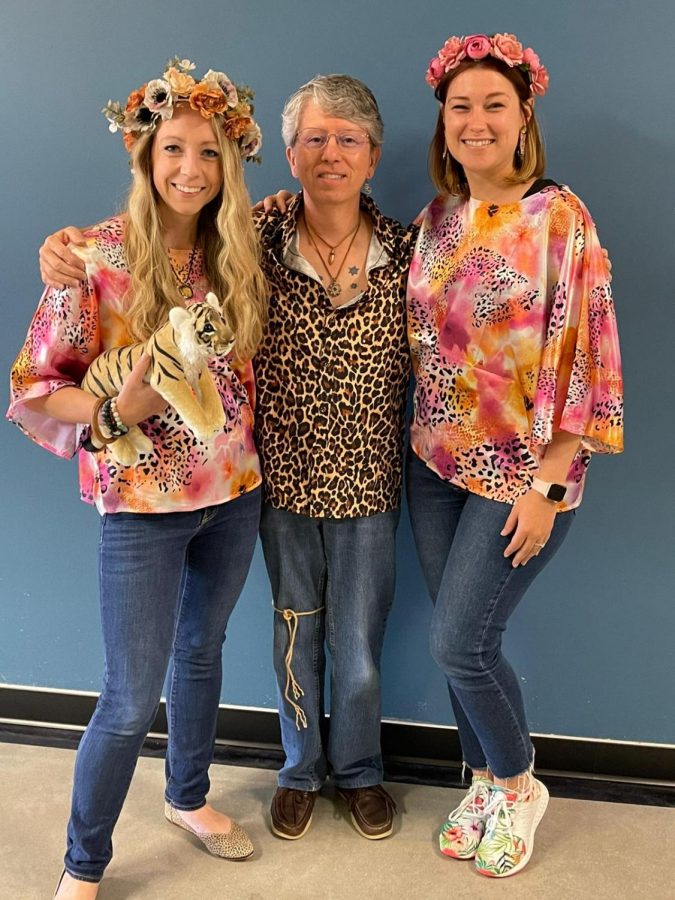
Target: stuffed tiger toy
(178, 353)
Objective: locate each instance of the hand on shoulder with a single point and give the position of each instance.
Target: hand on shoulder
(59, 266)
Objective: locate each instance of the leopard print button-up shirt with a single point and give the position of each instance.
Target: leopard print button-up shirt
(331, 382)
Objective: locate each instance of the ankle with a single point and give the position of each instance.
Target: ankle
(73, 889)
(483, 774)
(524, 786)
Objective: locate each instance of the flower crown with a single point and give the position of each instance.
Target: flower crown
(215, 94)
(506, 47)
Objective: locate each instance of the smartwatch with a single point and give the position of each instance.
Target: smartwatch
(549, 489)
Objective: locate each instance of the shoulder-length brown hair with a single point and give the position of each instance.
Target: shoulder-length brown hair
(446, 173)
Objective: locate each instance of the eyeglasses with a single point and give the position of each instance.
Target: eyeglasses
(317, 139)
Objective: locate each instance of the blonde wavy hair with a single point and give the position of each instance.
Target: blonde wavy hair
(228, 240)
(446, 173)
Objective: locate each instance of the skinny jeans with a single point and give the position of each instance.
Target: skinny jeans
(168, 583)
(475, 590)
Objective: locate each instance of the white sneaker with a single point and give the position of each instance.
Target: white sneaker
(510, 825)
(462, 833)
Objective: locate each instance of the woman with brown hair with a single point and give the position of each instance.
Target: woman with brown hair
(514, 346)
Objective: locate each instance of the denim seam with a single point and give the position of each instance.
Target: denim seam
(496, 684)
(318, 639)
(172, 704)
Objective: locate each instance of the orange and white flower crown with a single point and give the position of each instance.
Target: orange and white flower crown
(505, 47)
(214, 95)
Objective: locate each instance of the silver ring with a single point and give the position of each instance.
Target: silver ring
(541, 546)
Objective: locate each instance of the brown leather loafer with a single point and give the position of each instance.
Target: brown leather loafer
(372, 811)
(292, 812)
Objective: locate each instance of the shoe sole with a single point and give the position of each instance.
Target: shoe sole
(535, 824)
(292, 837)
(453, 855)
(370, 837)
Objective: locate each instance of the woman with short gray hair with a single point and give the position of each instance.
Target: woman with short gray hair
(340, 96)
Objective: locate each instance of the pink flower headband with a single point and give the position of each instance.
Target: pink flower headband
(215, 94)
(506, 47)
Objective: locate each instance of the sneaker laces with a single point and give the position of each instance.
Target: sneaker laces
(473, 804)
(499, 815)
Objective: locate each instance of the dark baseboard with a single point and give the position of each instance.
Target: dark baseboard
(418, 754)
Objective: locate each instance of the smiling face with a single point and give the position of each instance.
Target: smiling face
(187, 170)
(331, 174)
(483, 117)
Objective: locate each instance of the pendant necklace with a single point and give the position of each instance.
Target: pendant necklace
(333, 289)
(332, 247)
(183, 285)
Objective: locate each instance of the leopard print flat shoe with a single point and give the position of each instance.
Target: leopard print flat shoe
(235, 845)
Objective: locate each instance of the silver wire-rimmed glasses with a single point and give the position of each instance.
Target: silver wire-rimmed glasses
(317, 138)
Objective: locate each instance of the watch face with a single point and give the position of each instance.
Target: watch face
(557, 492)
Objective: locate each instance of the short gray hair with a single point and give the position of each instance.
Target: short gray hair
(337, 95)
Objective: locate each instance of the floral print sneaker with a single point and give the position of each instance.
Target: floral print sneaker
(510, 824)
(462, 833)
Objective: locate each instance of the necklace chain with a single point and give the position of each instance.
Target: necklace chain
(183, 285)
(333, 247)
(334, 289)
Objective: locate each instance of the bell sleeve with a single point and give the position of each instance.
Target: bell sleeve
(63, 339)
(579, 386)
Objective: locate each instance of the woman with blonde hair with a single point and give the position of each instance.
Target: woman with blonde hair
(178, 529)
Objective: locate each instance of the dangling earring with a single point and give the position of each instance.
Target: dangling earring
(367, 190)
(520, 151)
(445, 153)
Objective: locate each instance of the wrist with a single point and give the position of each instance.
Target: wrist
(106, 423)
(118, 426)
(551, 490)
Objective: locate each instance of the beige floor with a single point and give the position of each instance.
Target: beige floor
(584, 849)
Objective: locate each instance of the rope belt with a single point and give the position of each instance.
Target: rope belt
(291, 618)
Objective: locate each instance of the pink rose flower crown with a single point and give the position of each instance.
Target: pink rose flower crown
(505, 47)
(215, 94)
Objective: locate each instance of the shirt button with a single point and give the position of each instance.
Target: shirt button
(323, 409)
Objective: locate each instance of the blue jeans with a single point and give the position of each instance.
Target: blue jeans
(333, 580)
(168, 583)
(475, 589)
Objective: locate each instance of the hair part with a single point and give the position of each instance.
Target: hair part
(340, 96)
(446, 173)
(228, 241)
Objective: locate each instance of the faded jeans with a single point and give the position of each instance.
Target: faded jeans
(332, 580)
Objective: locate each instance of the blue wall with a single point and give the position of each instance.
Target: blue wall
(593, 642)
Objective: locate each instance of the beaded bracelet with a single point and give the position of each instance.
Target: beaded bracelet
(110, 422)
(106, 417)
(120, 426)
